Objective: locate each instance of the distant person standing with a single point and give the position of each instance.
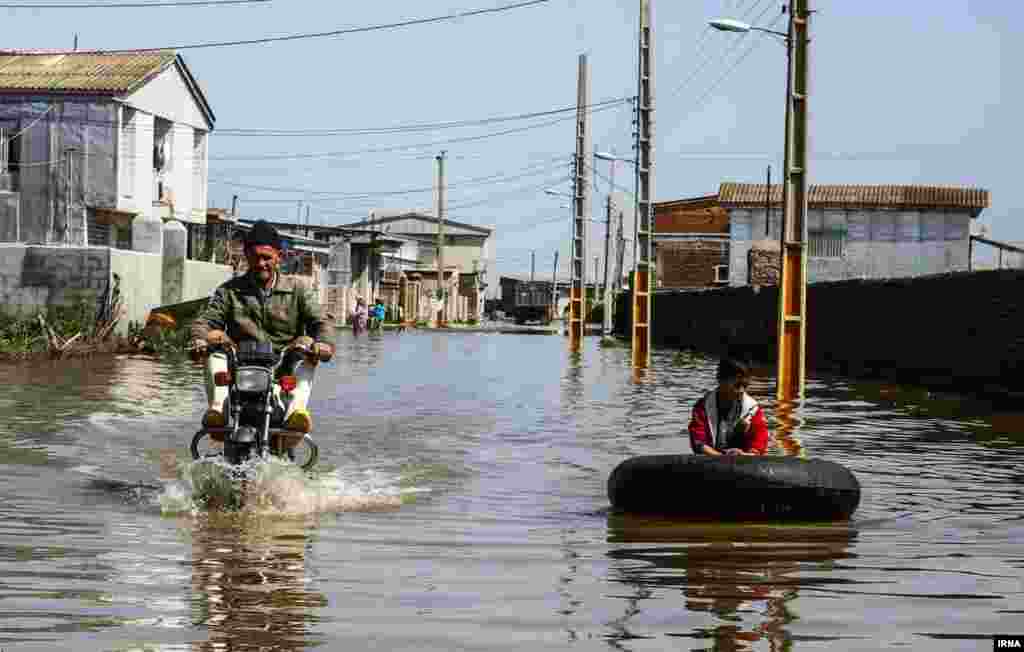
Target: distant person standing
(359, 316)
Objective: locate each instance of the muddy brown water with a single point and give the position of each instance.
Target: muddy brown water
(460, 504)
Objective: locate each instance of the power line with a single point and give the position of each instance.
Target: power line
(721, 54)
(700, 102)
(454, 16)
(130, 5)
(407, 128)
(501, 177)
(424, 145)
(411, 128)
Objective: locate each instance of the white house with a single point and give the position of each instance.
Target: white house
(859, 231)
(103, 175)
(92, 141)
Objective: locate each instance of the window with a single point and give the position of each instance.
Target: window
(10, 149)
(3, 151)
(826, 244)
(721, 273)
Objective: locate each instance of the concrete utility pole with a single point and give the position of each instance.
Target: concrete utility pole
(645, 189)
(554, 289)
(442, 286)
(606, 322)
(581, 207)
(792, 325)
(533, 259)
(68, 180)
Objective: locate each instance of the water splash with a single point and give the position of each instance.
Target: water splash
(278, 487)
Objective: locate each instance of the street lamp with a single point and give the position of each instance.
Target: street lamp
(792, 309)
(730, 25)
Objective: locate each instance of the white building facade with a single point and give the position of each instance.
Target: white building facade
(93, 141)
(860, 231)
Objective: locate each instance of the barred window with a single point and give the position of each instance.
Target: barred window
(826, 244)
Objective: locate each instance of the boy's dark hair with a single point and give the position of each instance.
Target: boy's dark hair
(733, 366)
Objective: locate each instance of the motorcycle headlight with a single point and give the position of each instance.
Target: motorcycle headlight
(252, 379)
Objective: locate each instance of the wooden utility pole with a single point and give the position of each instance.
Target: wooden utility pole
(792, 324)
(441, 285)
(645, 189)
(581, 207)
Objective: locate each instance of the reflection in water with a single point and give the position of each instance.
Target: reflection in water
(573, 388)
(742, 575)
(249, 588)
(787, 428)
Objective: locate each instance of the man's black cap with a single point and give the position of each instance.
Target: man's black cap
(262, 233)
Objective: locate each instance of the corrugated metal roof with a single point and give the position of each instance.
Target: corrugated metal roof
(821, 196)
(86, 72)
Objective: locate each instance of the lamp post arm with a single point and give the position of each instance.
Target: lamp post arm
(770, 31)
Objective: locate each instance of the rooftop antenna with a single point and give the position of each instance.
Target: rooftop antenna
(76, 42)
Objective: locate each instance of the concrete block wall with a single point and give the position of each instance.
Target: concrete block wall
(33, 278)
(959, 330)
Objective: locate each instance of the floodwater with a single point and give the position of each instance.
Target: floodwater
(460, 504)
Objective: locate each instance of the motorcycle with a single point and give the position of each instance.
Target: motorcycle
(255, 378)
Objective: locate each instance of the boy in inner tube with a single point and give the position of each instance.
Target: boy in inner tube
(727, 421)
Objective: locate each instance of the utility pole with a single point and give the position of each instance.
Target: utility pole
(441, 285)
(606, 327)
(792, 324)
(68, 174)
(533, 257)
(768, 204)
(645, 189)
(581, 207)
(620, 259)
(554, 289)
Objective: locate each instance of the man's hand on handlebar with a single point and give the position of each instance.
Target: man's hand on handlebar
(199, 347)
(320, 350)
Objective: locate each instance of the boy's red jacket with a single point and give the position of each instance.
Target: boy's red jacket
(755, 440)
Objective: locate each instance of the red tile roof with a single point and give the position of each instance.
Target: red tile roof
(85, 72)
(846, 196)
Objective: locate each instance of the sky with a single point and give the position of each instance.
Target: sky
(909, 92)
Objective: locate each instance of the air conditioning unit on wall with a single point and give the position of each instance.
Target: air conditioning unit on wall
(721, 273)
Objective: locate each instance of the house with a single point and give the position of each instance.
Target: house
(853, 231)
(103, 177)
(467, 258)
(691, 243)
(94, 141)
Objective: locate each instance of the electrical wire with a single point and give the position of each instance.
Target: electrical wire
(758, 43)
(528, 171)
(423, 145)
(454, 16)
(721, 54)
(130, 5)
(415, 127)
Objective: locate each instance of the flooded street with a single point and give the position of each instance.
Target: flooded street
(460, 503)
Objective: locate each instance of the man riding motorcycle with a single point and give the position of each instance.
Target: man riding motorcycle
(266, 306)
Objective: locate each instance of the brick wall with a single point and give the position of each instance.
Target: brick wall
(960, 330)
(689, 263)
